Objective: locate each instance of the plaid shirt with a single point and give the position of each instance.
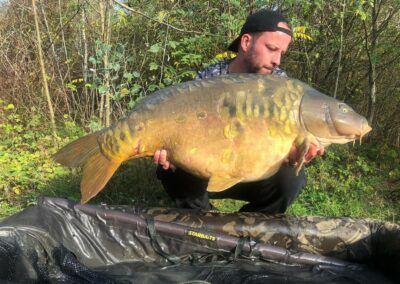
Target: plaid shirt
(221, 68)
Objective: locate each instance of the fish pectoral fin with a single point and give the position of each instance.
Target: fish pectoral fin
(302, 150)
(216, 183)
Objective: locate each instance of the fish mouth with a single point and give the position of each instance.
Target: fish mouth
(352, 133)
(339, 138)
(364, 130)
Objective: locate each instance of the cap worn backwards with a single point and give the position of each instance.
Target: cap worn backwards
(261, 21)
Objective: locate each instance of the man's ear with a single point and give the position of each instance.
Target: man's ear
(245, 42)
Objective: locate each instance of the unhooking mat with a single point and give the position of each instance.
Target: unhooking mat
(61, 241)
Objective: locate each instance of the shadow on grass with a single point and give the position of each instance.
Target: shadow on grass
(135, 184)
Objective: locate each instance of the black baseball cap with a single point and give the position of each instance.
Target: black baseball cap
(261, 21)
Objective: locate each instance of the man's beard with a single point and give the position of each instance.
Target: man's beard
(253, 67)
(261, 69)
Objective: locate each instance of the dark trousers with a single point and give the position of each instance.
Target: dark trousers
(272, 195)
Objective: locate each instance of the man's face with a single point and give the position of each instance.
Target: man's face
(263, 51)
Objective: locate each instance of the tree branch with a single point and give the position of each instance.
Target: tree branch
(155, 20)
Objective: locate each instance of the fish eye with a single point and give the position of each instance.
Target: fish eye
(343, 108)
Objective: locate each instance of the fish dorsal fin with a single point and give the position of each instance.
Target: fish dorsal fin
(216, 183)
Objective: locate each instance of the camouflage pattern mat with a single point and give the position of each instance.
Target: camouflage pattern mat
(61, 241)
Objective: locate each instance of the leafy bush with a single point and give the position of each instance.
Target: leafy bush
(25, 156)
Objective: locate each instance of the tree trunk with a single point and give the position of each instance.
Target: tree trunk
(102, 26)
(43, 70)
(55, 57)
(107, 40)
(371, 50)
(340, 50)
(85, 68)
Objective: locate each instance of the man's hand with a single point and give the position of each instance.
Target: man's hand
(313, 151)
(160, 158)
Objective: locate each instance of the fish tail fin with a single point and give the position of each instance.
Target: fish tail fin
(97, 171)
(77, 152)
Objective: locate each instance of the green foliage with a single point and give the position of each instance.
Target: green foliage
(115, 78)
(25, 157)
(351, 181)
(361, 7)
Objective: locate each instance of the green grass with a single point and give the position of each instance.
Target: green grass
(354, 182)
(346, 181)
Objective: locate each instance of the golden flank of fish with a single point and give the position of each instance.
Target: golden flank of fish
(228, 129)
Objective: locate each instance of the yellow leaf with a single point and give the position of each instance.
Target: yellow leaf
(77, 80)
(124, 92)
(10, 106)
(232, 55)
(300, 33)
(121, 13)
(162, 15)
(121, 16)
(300, 29)
(224, 55)
(219, 56)
(16, 190)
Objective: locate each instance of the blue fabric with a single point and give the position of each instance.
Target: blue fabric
(221, 68)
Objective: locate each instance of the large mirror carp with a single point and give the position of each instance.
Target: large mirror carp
(227, 129)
